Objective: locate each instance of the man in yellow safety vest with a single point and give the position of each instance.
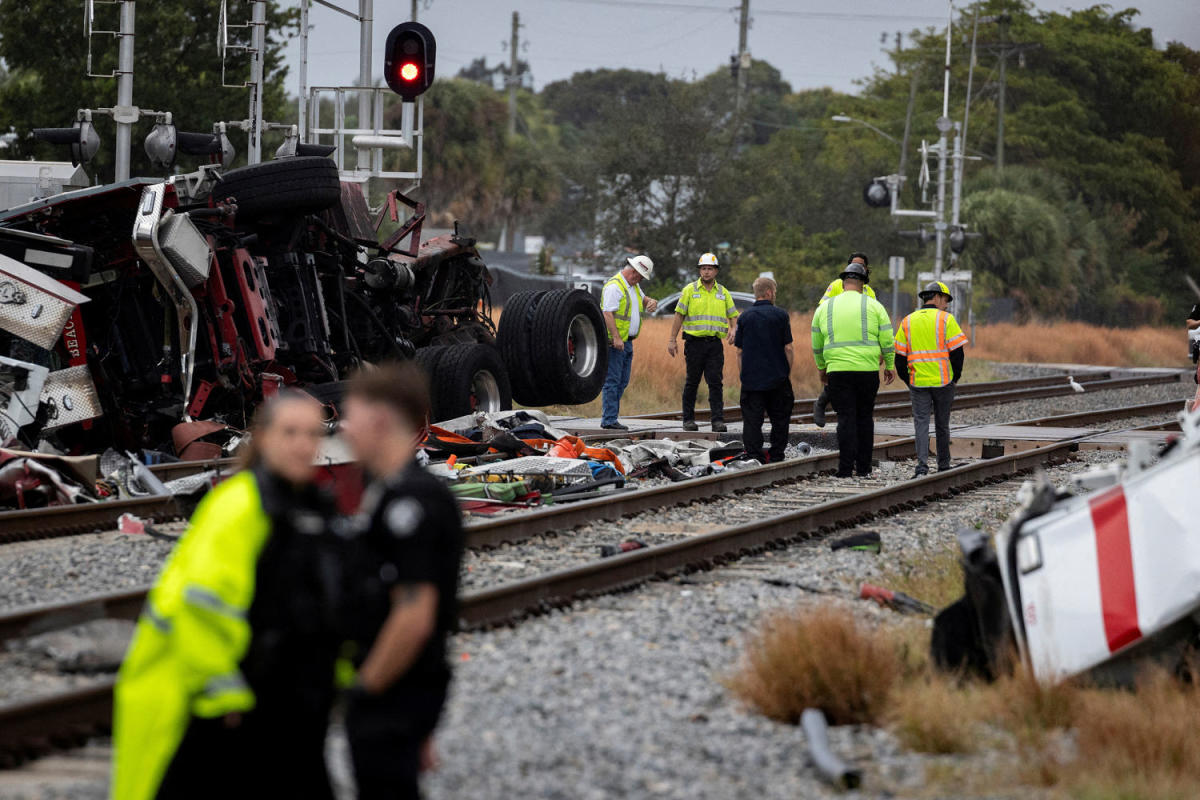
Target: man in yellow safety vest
(929, 358)
(622, 304)
(707, 316)
(831, 291)
(851, 333)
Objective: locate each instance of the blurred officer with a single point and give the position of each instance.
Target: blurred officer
(929, 359)
(1193, 329)
(406, 548)
(833, 290)
(850, 333)
(764, 342)
(706, 314)
(226, 688)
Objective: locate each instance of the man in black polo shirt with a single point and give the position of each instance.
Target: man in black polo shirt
(764, 342)
(406, 548)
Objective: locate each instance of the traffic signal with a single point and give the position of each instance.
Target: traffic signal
(876, 194)
(82, 138)
(409, 59)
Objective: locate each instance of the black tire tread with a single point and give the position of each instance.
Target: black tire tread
(456, 368)
(303, 184)
(549, 346)
(513, 339)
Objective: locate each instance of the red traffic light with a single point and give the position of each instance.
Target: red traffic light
(409, 57)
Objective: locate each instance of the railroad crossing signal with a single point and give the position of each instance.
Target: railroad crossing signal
(409, 57)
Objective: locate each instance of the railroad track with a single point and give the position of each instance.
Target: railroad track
(516, 527)
(32, 727)
(889, 396)
(85, 518)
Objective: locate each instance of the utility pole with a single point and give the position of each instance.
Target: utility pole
(125, 114)
(944, 125)
(512, 74)
(743, 60)
(414, 9)
(258, 53)
(1000, 102)
(366, 14)
(912, 99)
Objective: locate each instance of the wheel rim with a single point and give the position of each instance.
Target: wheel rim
(485, 392)
(583, 348)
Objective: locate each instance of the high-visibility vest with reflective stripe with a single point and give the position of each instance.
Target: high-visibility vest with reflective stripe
(850, 332)
(704, 312)
(624, 313)
(835, 288)
(926, 338)
(192, 635)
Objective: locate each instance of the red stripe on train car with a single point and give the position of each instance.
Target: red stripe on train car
(1118, 594)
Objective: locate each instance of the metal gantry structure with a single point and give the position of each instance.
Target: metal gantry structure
(369, 137)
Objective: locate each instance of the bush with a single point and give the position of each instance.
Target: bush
(818, 659)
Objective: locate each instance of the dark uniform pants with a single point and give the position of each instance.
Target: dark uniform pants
(777, 404)
(704, 355)
(386, 735)
(938, 400)
(273, 752)
(853, 398)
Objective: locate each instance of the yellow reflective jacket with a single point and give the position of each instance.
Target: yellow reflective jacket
(623, 316)
(192, 635)
(850, 333)
(706, 312)
(835, 288)
(926, 338)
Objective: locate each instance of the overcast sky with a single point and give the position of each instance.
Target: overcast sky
(812, 42)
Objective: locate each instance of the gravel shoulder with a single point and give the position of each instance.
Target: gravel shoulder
(622, 696)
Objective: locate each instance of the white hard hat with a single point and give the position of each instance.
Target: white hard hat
(643, 265)
(708, 260)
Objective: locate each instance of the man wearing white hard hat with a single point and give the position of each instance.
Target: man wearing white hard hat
(623, 303)
(707, 316)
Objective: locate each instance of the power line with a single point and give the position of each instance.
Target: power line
(777, 12)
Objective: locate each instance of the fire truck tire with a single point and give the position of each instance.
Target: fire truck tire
(470, 378)
(299, 185)
(428, 358)
(569, 345)
(513, 339)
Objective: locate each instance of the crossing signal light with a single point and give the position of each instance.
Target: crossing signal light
(409, 59)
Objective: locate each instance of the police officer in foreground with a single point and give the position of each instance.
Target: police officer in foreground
(227, 686)
(707, 315)
(831, 291)
(929, 359)
(407, 545)
(850, 334)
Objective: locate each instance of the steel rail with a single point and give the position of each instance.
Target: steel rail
(900, 409)
(520, 526)
(508, 602)
(54, 521)
(54, 721)
(896, 395)
(35, 726)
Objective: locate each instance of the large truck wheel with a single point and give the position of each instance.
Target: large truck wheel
(514, 338)
(569, 346)
(429, 359)
(470, 378)
(299, 185)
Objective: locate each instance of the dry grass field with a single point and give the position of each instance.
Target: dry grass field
(657, 380)
(1070, 740)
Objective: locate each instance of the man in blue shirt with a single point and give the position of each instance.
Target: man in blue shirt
(764, 343)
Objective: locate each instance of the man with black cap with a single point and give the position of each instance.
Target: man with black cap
(929, 359)
(831, 291)
(851, 333)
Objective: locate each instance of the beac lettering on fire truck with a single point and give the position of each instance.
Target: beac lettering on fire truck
(71, 339)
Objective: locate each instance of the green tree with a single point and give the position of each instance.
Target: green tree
(176, 69)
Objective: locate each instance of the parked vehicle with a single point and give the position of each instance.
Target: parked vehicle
(666, 306)
(129, 310)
